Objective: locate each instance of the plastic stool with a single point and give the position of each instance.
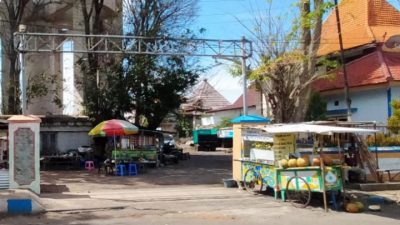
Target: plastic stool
(120, 170)
(89, 165)
(132, 169)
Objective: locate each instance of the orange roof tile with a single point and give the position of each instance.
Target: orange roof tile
(375, 68)
(362, 22)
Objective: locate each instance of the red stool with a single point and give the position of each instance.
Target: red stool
(89, 165)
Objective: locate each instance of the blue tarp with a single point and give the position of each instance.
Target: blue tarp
(250, 119)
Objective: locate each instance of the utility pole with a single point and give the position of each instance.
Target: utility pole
(343, 61)
(244, 76)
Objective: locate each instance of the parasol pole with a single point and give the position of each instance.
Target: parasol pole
(115, 150)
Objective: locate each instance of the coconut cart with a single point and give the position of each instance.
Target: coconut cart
(296, 176)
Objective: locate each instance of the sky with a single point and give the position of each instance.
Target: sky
(225, 19)
(221, 19)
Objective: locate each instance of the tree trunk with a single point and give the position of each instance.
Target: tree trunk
(310, 48)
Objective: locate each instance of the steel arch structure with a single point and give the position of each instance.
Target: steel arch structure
(232, 50)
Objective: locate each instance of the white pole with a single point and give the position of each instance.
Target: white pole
(23, 77)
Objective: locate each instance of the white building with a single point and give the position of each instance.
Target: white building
(255, 106)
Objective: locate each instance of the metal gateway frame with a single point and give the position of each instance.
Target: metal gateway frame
(231, 50)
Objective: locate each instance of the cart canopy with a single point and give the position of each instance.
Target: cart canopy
(312, 128)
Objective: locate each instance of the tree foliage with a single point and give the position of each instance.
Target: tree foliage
(394, 120)
(287, 59)
(12, 14)
(225, 122)
(184, 125)
(150, 86)
(316, 108)
(156, 83)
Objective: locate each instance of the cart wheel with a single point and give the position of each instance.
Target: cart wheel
(253, 181)
(299, 198)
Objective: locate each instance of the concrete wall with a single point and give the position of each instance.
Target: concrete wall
(72, 140)
(61, 133)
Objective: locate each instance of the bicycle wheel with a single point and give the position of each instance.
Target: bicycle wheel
(253, 181)
(299, 197)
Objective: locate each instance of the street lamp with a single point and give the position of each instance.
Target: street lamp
(244, 71)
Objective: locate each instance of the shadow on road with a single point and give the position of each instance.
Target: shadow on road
(201, 169)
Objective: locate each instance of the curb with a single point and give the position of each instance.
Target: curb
(20, 206)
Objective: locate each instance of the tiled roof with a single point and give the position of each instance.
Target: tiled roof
(375, 68)
(362, 22)
(253, 97)
(205, 98)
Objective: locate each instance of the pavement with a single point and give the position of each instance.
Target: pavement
(190, 192)
(20, 202)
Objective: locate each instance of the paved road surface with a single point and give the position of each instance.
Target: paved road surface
(188, 193)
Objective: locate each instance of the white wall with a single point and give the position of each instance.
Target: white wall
(216, 117)
(395, 93)
(372, 105)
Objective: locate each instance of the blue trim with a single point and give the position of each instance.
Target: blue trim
(338, 112)
(19, 206)
(389, 100)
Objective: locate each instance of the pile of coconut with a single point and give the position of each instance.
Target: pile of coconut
(304, 161)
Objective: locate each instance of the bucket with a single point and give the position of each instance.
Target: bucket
(229, 183)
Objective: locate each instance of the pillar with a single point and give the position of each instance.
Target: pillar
(24, 152)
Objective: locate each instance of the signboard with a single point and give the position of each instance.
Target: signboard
(284, 144)
(225, 133)
(256, 135)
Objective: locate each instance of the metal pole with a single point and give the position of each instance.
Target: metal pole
(23, 77)
(376, 148)
(244, 76)
(346, 82)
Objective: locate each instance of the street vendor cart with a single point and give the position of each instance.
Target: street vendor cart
(285, 170)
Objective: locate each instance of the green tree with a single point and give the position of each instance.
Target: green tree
(184, 125)
(150, 86)
(316, 108)
(225, 122)
(394, 120)
(287, 58)
(156, 83)
(12, 14)
(109, 98)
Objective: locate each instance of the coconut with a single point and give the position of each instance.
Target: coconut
(316, 162)
(352, 208)
(303, 161)
(360, 206)
(284, 163)
(292, 163)
(328, 161)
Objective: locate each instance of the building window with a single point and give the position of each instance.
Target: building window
(336, 103)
